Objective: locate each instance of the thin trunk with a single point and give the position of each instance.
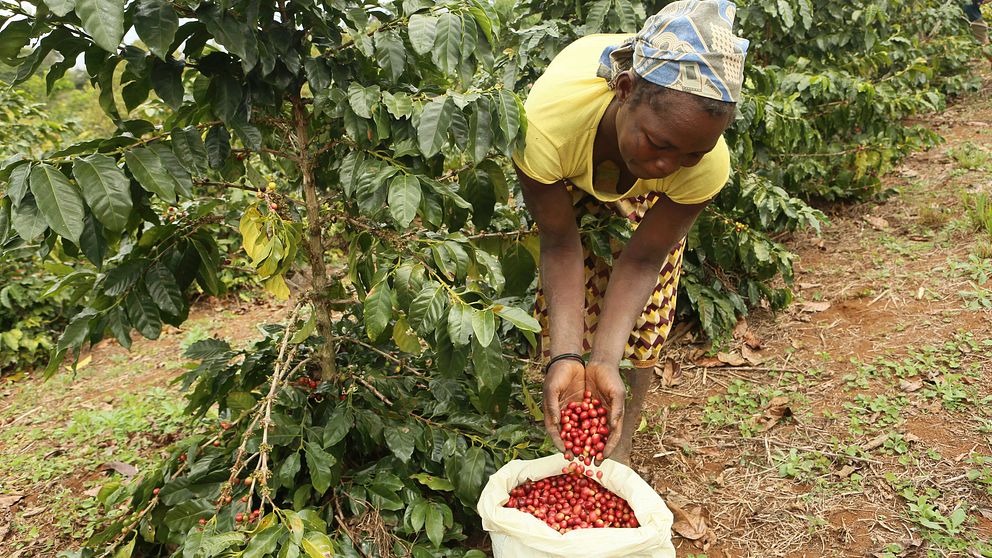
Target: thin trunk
(315, 244)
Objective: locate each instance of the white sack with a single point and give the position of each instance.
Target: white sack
(518, 534)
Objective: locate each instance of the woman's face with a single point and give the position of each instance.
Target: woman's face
(658, 137)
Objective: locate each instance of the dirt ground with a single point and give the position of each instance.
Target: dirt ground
(858, 422)
(63, 439)
(855, 422)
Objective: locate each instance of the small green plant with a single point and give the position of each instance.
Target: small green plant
(979, 208)
(971, 156)
(803, 467)
(933, 217)
(951, 391)
(873, 413)
(742, 405)
(981, 472)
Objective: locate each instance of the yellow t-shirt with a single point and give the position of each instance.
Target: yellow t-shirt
(563, 111)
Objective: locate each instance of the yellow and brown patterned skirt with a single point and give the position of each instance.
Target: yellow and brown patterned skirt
(652, 327)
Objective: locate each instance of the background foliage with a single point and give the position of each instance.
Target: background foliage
(264, 135)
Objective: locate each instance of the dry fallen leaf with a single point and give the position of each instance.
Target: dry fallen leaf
(777, 409)
(910, 385)
(753, 357)
(691, 525)
(710, 362)
(817, 306)
(731, 359)
(31, 512)
(875, 442)
(740, 329)
(845, 471)
(876, 223)
(670, 373)
(123, 468)
(9, 500)
(752, 340)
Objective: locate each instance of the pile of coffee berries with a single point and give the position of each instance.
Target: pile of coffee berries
(584, 429)
(572, 501)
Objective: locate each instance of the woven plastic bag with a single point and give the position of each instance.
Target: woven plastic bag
(517, 534)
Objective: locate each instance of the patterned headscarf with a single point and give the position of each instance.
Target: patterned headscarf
(688, 46)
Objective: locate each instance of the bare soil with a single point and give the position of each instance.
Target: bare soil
(883, 282)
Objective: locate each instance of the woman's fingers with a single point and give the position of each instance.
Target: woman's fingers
(551, 420)
(616, 424)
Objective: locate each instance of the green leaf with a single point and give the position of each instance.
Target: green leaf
(91, 242)
(164, 290)
(518, 268)
(175, 169)
(405, 339)
(103, 20)
(27, 220)
(183, 516)
(390, 52)
(489, 365)
(218, 146)
(400, 105)
(448, 41)
(434, 521)
(15, 36)
(167, 80)
(338, 426)
(484, 326)
(423, 30)
(189, 148)
(156, 23)
(60, 7)
(400, 442)
(509, 116)
(264, 542)
(106, 189)
(378, 309)
(287, 469)
(17, 184)
(427, 307)
(460, 324)
(59, 202)
(404, 199)
(317, 545)
(480, 129)
(214, 545)
(123, 277)
(125, 551)
(471, 477)
(519, 318)
(363, 99)
(433, 127)
(143, 314)
(434, 483)
(319, 464)
(225, 97)
(418, 514)
(147, 168)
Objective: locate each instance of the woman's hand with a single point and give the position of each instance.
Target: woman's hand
(565, 382)
(605, 383)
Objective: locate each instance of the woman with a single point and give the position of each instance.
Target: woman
(631, 125)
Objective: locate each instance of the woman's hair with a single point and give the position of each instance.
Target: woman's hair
(644, 90)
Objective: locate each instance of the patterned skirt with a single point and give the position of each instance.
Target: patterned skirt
(655, 322)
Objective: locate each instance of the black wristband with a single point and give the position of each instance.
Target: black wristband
(563, 356)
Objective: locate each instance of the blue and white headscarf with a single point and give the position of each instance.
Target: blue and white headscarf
(688, 46)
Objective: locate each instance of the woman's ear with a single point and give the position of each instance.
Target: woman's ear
(624, 85)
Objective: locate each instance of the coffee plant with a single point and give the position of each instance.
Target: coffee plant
(368, 422)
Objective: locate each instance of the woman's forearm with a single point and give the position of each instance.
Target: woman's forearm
(563, 282)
